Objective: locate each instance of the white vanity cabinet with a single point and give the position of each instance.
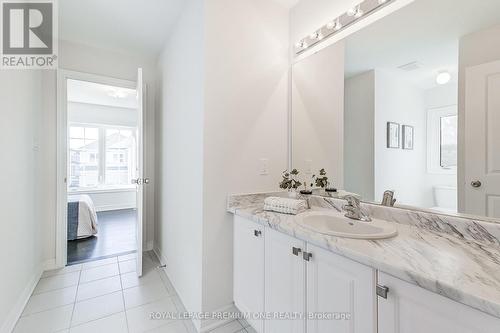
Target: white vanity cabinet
(411, 309)
(305, 279)
(285, 272)
(248, 272)
(339, 286)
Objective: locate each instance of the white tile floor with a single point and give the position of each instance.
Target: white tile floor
(106, 296)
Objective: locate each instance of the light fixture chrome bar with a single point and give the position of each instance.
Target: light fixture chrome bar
(340, 23)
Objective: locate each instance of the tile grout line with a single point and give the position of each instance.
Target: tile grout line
(74, 303)
(123, 296)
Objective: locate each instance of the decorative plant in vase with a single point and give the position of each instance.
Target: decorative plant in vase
(290, 181)
(321, 181)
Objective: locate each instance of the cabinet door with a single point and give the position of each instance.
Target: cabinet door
(248, 272)
(340, 294)
(411, 309)
(285, 283)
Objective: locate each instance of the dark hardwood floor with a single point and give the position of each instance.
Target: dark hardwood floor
(115, 236)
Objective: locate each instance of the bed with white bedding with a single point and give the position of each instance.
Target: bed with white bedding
(82, 217)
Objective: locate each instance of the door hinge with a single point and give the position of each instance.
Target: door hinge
(382, 291)
(296, 251)
(307, 256)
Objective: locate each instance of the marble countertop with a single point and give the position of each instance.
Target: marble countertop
(456, 258)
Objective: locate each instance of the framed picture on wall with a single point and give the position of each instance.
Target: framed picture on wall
(407, 137)
(392, 135)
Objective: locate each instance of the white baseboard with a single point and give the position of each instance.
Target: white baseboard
(202, 326)
(48, 265)
(208, 325)
(18, 308)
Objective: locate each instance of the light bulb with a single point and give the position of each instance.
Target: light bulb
(298, 44)
(338, 25)
(351, 12)
(330, 25)
(443, 78)
(381, 2)
(359, 12)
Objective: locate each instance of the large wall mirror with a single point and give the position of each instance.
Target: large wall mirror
(410, 103)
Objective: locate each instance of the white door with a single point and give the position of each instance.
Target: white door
(140, 181)
(284, 282)
(411, 309)
(342, 288)
(482, 140)
(248, 271)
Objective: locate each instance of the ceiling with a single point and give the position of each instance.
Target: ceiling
(426, 31)
(134, 26)
(100, 94)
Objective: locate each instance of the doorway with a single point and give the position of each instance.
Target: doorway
(100, 164)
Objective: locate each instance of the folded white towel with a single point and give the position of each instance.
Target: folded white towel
(284, 205)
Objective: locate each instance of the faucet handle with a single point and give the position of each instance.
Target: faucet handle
(352, 201)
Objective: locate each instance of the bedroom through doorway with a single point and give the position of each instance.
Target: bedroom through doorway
(102, 163)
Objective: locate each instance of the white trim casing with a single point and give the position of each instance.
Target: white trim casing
(62, 165)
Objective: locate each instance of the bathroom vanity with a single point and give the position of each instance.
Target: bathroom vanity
(438, 274)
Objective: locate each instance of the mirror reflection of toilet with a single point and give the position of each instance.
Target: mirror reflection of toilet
(445, 198)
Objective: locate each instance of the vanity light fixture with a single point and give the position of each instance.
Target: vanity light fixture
(341, 22)
(443, 78)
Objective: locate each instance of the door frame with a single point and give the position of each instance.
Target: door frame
(62, 145)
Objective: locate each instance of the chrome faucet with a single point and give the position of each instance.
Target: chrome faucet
(388, 199)
(354, 211)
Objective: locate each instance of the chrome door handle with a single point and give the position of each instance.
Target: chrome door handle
(476, 183)
(146, 181)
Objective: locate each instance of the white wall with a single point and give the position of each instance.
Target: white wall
(359, 135)
(82, 58)
(20, 248)
(318, 115)
(398, 169)
(475, 49)
(180, 154)
(223, 108)
(245, 121)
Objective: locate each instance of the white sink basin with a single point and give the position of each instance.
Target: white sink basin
(336, 224)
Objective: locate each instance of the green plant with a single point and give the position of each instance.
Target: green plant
(289, 180)
(321, 180)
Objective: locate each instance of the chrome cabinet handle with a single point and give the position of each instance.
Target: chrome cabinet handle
(476, 183)
(307, 256)
(296, 251)
(382, 291)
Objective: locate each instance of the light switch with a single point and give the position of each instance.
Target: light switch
(264, 166)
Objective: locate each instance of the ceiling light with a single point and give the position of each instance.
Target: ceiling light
(443, 78)
(381, 2)
(330, 25)
(351, 12)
